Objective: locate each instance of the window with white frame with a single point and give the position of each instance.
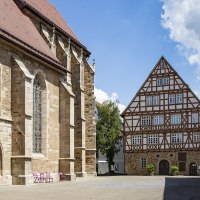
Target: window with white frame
(175, 98)
(158, 120)
(148, 100)
(196, 137)
(159, 81)
(195, 118)
(175, 119)
(163, 81)
(176, 137)
(156, 100)
(152, 100)
(179, 98)
(143, 163)
(153, 139)
(162, 64)
(166, 81)
(137, 139)
(172, 99)
(145, 120)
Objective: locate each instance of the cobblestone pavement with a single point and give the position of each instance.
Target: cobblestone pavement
(104, 188)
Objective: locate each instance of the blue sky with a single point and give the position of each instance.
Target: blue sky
(127, 37)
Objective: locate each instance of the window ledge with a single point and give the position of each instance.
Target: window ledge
(37, 155)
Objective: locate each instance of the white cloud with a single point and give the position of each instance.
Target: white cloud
(102, 96)
(181, 18)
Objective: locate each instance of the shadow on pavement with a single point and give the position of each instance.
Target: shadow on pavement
(182, 188)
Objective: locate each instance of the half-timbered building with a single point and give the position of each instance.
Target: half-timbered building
(161, 125)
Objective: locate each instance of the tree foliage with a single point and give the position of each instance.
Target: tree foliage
(108, 130)
(151, 168)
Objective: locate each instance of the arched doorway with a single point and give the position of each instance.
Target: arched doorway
(193, 169)
(164, 167)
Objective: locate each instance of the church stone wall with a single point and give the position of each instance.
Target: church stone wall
(90, 120)
(18, 132)
(5, 115)
(68, 127)
(84, 130)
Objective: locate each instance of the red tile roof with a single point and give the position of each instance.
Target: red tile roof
(51, 13)
(15, 26)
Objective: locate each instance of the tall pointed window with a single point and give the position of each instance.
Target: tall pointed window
(37, 135)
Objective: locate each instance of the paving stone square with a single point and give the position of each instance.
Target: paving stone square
(109, 187)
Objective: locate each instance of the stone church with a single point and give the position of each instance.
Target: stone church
(47, 121)
(161, 125)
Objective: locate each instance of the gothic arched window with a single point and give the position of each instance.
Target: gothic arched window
(37, 123)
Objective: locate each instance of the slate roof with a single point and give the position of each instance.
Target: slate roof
(18, 28)
(50, 12)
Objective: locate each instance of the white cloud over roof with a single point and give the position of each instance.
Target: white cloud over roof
(181, 18)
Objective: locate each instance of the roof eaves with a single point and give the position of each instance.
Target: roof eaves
(11, 38)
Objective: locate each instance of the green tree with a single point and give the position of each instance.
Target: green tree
(108, 130)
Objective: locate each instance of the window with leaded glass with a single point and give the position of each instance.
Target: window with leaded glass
(145, 120)
(137, 139)
(153, 139)
(37, 135)
(176, 137)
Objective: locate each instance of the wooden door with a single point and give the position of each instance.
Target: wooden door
(164, 167)
(193, 169)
